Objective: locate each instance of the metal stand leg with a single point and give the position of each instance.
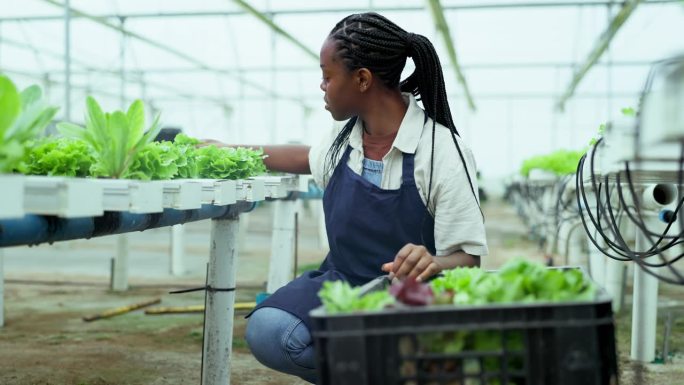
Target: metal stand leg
(644, 306)
(120, 265)
(2, 288)
(575, 249)
(219, 307)
(177, 249)
(282, 245)
(615, 282)
(244, 229)
(597, 262)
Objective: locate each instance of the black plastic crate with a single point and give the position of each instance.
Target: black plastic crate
(568, 343)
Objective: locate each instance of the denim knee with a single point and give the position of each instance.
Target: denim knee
(282, 342)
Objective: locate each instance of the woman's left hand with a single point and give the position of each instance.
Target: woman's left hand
(413, 261)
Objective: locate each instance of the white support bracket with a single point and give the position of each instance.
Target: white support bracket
(2, 288)
(251, 190)
(119, 278)
(177, 250)
(182, 194)
(281, 265)
(219, 304)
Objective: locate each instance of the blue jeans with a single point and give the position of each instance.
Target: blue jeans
(282, 342)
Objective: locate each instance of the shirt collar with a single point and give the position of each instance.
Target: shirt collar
(409, 131)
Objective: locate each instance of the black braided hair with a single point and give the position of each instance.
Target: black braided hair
(369, 40)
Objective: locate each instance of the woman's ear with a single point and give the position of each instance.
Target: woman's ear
(364, 79)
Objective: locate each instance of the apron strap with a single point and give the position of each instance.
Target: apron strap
(407, 162)
(342, 162)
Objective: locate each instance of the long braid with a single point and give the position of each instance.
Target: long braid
(371, 41)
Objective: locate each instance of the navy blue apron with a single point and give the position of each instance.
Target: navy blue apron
(366, 227)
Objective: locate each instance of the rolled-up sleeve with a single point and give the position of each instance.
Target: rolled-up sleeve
(458, 222)
(317, 155)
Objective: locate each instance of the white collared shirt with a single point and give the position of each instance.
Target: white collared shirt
(458, 222)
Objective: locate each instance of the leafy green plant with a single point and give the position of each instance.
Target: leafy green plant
(115, 137)
(156, 160)
(340, 297)
(59, 157)
(181, 159)
(229, 163)
(626, 111)
(187, 161)
(561, 162)
(516, 281)
(23, 116)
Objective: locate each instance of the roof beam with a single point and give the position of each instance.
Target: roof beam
(602, 44)
(276, 28)
(310, 69)
(464, 7)
(136, 77)
(443, 28)
(171, 50)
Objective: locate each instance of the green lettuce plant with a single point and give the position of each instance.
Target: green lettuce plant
(229, 163)
(340, 297)
(59, 157)
(187, 161)
(561, 162)
(23, 116)
(116, 138)
(155, 161)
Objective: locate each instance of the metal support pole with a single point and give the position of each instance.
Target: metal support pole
(67, 60)
(244, 229)
(597, 261)
(575, 250)
(2, 288)
(282, 245)
(122, 67)
(177, 249)
(219, 306)
(272, 99)
(120, 266)
(615, 277)
(644, 304)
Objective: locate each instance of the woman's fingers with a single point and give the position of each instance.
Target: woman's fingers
(432, 269)
(411, 260)
(420, 268)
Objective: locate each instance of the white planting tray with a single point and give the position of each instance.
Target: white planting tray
(64, 197)
(11, 196)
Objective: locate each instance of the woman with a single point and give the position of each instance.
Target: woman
(399, 196)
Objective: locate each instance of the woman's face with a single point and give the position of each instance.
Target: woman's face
(341, 90)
